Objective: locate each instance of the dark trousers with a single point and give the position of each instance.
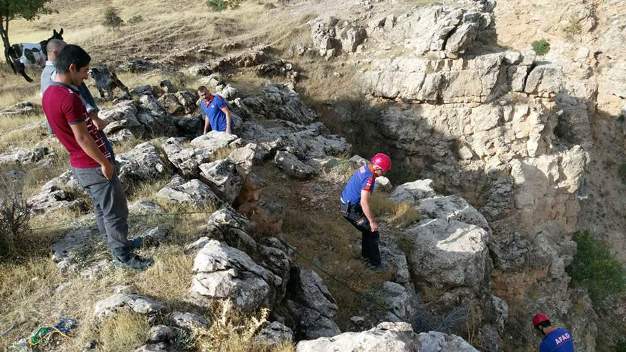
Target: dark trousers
(369, 239)
(110, 206)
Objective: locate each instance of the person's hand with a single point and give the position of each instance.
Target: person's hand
(373, 226)
(100, 123)
(108, 170)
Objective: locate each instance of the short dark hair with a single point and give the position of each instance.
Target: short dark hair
(71, 54)
(202, 89)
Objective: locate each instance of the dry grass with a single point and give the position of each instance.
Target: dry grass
(124, 331)
(170, 276)
(397, 214)
(323, 239)
(233, 331)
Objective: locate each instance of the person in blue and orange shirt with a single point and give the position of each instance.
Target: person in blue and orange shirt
(215, 111)
(554, 339)
(356, 209)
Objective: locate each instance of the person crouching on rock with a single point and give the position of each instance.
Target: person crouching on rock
(554, 339)
(356, 209)
(90, 156)
(215, 111)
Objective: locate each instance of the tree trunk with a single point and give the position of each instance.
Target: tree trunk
(4, 34)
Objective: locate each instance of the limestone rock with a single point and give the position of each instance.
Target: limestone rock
(24, 156)
(135, 302)
(142, 163)
(161, 333)
(274, 333)
(188, 320)
(400, 302)
(448, 253)
(311, 305)
(437, 341)
(223, 177)
(277, 102)
(293, 167)
(452, 208)
(390, 337)
(223, 272)
(193, 193)
(69, 251)
(413, 192)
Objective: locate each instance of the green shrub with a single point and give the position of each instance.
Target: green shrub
(595, 268)
(111, 18)
(220, 5)
(622, 173)
(135, 19)
(541, 47)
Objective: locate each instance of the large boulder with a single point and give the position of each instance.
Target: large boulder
(388, 337)
(274, 333)
(222, 272)
(142, 163)
(24, 156)
(277, 102)
(311, 305)
(223, 177)
(203, 149)
(452, 208)
(448, 253)
(194, 193)
(134, 302)
(400, 301)
(293, 167)
(413, 192)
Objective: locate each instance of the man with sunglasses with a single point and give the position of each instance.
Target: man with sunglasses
(554, 339)
(215, 111)
(356, 209)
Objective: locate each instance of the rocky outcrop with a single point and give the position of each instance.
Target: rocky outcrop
(134, 302)
(277, 101)
(293, 167)
(331, 36)
(223, 272)
(193, 193)
(448, 253)
(274, 334)
(392, 337)
(222, 176)
(142, 163)
(203, 149)
(24, 156)
(312, 306)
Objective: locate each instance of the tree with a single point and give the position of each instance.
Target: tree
(12, 9)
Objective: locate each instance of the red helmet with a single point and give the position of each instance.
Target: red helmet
(382, 160)
(540, 318)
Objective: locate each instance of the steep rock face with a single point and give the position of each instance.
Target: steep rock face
(510, 131)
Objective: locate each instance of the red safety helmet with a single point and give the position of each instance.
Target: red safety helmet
(382, 160)
(540, 318)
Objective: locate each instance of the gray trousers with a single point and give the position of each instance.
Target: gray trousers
(110, 206)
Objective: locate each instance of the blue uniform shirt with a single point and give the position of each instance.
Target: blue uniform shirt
(559, 340)
(213, 112)
(362, 179)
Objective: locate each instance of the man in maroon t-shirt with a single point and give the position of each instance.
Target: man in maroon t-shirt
(90, 156)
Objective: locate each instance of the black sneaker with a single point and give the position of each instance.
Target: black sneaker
(376, 268)
(136, 243)
(134, 262)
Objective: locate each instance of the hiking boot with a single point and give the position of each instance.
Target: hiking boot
(133, 262)
(135, 243)
(376, 268)
(139, 242)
